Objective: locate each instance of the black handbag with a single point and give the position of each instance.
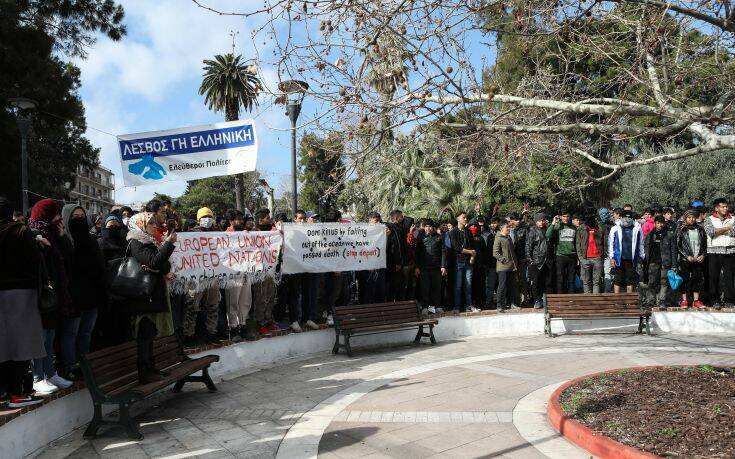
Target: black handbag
(47, 298)
(131, 281)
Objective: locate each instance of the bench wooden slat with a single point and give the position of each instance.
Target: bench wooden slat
(405, 324)
(360, 311)
(595, 307)
(377, 315)
(366, 323)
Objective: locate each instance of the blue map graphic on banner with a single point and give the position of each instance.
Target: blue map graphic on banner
(148, 167)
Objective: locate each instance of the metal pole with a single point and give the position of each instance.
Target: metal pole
(294, 109)
(23, 126)
(294, 199)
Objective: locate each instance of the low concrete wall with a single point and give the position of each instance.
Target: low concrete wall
(29, 432)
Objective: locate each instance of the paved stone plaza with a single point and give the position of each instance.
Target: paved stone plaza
(477, 397)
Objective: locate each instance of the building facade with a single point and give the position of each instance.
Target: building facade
(94, 189)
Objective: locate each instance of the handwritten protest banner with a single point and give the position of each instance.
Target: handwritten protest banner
(331, 247)
(201, 259)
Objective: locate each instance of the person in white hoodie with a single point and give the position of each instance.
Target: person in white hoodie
(626, 251)
(720, 229)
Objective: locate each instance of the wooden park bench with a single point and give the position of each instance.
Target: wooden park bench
(596, 306)
(368, 319)
(111, 375)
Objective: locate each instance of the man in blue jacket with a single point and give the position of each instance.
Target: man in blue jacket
(625, 246)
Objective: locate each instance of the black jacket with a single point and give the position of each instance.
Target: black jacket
(519, 240)
(683, 245)
(489, 238)
(430, 252)
(112, 246)
(393, 248)
(19, 256)
(461, 239)
(537, 247)
(600, 240)
(155, 258)
(668, 249)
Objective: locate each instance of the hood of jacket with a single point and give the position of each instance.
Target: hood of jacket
(66, 212)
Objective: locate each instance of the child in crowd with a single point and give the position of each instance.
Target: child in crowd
(691, 244)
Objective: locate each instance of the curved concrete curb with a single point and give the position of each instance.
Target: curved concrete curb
(302, 439)
(583, 436)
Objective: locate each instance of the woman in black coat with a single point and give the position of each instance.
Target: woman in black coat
(86, 286)
(113, 322)
(152, 316)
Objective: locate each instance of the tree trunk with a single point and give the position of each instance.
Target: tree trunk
(232, 115)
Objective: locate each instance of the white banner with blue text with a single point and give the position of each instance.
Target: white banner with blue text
(188, 153)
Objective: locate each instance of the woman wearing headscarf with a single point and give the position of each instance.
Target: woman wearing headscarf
(111, 326)
(21, 337)
(151, 317)
(86, 286)
(46, 222)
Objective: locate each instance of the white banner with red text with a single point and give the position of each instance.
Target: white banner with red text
(332, 247)
(224, 259)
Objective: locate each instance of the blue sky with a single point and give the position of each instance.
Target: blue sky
(150, 80)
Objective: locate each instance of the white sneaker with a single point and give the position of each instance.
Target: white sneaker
(439, 310)
(296, 327)
(330, 320)
(60, 382)
(432, 310)
(324, 315)
(43, 387)
(313, 326)
(473, 309)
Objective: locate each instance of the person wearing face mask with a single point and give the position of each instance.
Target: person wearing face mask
(150, 317)
(626, 250)
(208, 299)
(87, 288)
(111, 320)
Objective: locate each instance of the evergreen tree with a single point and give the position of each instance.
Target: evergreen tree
(321, 171)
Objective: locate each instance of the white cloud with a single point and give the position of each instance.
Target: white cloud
(149, 81)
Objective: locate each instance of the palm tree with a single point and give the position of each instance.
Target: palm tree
(230, 85)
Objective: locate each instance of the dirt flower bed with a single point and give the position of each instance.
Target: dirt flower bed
(686, 412)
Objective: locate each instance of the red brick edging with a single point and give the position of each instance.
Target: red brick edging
(583, 436)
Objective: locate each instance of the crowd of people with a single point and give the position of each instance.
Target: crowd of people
(56, 305)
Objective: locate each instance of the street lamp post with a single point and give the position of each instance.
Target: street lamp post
(294, 91)
(22, 107)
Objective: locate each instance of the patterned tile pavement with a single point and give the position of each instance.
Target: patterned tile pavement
(462, 398)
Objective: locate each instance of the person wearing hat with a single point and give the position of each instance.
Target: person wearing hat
(591, 240)
(312, 217)
(539, 262)
(626, 251)
(47, 223)
(21, 336)
(112, 320)
(720, 229)
(691, 245)
(562, 234)
(208, 299)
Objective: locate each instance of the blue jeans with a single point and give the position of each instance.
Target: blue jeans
(463, 278)
(43, 368)
(76, 335)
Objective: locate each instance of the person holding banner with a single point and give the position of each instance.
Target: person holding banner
(239, 298)
(208, 299)
(151, 317)
(264, 292)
